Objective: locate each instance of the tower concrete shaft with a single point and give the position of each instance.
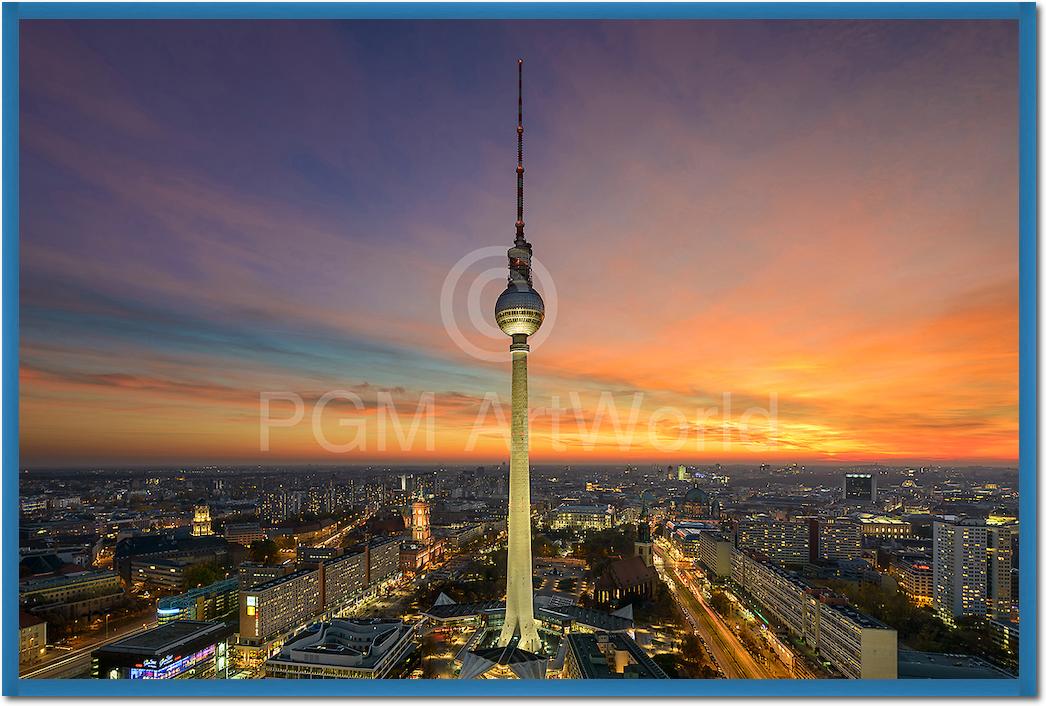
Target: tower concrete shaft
(519, 609)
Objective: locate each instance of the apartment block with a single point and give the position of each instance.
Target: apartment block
(855, 644)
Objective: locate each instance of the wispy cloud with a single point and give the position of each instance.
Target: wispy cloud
(823, 212)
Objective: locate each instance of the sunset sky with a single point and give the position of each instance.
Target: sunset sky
(818, 218)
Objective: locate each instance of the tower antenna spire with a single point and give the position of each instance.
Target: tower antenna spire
(520, 240)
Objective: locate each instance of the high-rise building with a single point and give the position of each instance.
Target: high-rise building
(716, 553)
(972, 564)
(201, 521)
(272, 611)
(834, 538)
(383, 560)
(780, 541)
(344, 579)
(252, 574)
(860, 487)
(519, 312)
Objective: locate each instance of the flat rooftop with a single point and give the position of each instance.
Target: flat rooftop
(167, 638)
(449, 611)
(936, 665)
(280, 579)
(584, 509)
(593, 663)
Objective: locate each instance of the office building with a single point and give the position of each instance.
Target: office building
(163, 573)
(280, 505)
(30, 505)
(244, 533)
(383, 561)
(272, 611)
(71, 596)
(687, 541)
(914, 576)
(218, 601)
(316, 555)
(344, 649)
(145, 549)
(860, 488)
(583, 517)
(182, 649)
(884, 527)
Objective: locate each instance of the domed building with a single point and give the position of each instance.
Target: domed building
(699, 504)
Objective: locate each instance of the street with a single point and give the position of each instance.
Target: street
(735, 661)
(77, 662)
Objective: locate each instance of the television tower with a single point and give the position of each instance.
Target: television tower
(519, 312)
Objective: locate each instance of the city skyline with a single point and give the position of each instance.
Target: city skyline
(823, 212)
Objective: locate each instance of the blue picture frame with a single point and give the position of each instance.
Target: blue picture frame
(1024, 13)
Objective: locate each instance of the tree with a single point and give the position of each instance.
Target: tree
(721, 604)
(919, 627)
(201, 575)
(263, 551)
(600, 547)
(669, 663)
(543, 547)
(659, 608)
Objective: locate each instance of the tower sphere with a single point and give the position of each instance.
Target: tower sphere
(519, 311)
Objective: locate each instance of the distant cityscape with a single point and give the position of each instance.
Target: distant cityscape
(681, 571)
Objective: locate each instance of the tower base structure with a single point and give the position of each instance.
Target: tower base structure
(519, 608)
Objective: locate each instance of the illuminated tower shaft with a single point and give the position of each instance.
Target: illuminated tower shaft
(519, 611)
(519, 312)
